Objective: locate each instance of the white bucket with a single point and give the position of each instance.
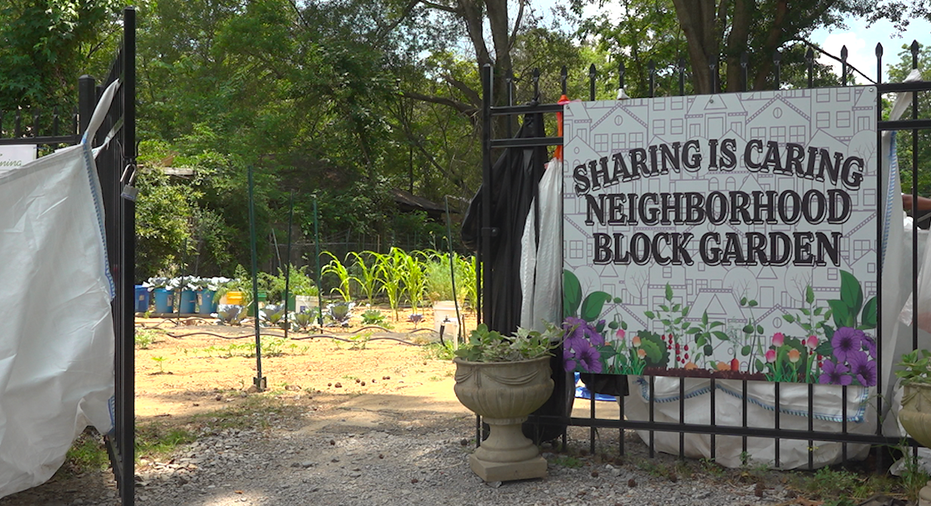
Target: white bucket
(305, 302)
(444, 315)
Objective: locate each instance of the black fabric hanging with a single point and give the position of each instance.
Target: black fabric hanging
(515, 178)
(515, 184)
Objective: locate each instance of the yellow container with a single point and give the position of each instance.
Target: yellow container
(235, 298)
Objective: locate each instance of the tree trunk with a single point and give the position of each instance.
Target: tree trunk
(698, 21)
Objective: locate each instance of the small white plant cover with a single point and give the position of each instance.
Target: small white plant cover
(56, 338)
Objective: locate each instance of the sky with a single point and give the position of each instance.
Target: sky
(861, 43)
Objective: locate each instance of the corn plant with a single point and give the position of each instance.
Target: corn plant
(368, 275)
(390, 269)
(469, 266)
(415, 279)
(336, 267)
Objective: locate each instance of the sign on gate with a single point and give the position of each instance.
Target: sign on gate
(14, 156)
(728, 235)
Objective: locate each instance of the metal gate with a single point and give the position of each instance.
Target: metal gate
(116, 166)
(712, 429)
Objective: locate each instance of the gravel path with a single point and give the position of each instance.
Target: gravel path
(421, 460)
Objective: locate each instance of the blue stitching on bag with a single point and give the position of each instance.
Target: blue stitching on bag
(890, 193)
(98, 209)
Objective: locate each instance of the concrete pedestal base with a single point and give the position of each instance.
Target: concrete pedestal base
(507, 471)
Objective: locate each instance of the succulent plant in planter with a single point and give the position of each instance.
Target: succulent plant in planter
(504, 379)
(915, 372)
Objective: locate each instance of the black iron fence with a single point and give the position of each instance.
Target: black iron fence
(711, 427)
(116, 165)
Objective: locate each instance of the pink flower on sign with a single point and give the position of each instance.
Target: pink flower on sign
(620, 333)
(771, 356)
(811, 342)
(778, 339)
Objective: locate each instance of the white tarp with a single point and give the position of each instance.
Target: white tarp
(56, 339)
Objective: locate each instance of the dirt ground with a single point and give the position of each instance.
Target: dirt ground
(195, 366)
(364, 376)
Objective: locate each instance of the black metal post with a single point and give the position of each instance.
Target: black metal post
(259, 380)
(287, 266)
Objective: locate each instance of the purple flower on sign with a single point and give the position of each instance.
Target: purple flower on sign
(870, 344)
(846, 340)
(591, 360)
(579, 343)
(834, 374)
(863, 368)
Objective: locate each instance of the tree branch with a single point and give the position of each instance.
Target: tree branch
(463, 108)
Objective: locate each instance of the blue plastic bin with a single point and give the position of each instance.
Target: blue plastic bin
(188, 301)
(205, 302)
(142, 299)
(164, 300)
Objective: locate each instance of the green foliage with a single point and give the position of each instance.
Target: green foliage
(306, 319)
(338, 269)
(145, 337)
(486, 345)
(47, 45)
(366, 274)
(414, 280)
(440, 273)
(898, 71)
(915, 367)
(163, 235)
(372, 317)
(390, 269)
(87, 453)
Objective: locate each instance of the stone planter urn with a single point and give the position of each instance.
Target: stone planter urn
(915, 414)
(504, 394)
(915, 417)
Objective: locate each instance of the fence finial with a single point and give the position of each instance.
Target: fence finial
(591, 81)
(536, 83)
(843, 61)
(879, 62)
(563, 76)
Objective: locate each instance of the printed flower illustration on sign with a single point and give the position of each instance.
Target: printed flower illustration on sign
(824, 343)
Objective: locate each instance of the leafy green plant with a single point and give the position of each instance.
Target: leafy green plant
(415, 280)
(145, 337)
(672, 316)
(440, 351)
(274, 315)
(469, 267)
(360, 340)
(340, 312)
(486, 345)
(160, 361)
(305, 319)
(439, 279)
(372, 317)
(390, 268)
(915, 367)
(340, 271)
(367, 277)
(231, 315)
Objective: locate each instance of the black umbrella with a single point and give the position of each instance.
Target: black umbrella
(515, 177)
